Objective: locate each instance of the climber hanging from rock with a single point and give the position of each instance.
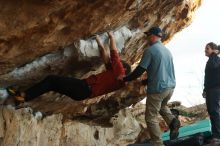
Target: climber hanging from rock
(80, 89)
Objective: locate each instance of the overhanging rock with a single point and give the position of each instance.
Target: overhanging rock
(42, 37)
(38, 38)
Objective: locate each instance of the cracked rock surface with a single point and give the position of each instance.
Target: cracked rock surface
(42, 37)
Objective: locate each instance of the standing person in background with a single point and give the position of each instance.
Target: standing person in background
(211, 90)
(157, 61)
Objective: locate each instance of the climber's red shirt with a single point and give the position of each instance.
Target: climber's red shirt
(107, 81)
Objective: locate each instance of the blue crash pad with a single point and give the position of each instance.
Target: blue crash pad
(203, 126)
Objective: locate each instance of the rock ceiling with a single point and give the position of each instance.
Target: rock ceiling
(41, 37)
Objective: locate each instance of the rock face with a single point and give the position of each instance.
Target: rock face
(37, 37)
(24, 127)
(41, 37)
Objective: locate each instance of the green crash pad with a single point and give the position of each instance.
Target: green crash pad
(203, 126)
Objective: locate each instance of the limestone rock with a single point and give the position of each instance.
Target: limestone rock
(38, 38)
(21, 127)
(41, 37)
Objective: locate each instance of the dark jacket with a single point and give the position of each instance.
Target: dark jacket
(212, 72)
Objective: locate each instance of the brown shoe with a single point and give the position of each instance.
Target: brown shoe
(174, 129)
(16, 95)
(19, 100)
(215, 141)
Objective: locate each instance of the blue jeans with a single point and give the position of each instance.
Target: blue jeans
(213, 107)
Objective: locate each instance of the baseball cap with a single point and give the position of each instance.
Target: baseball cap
(155, 31)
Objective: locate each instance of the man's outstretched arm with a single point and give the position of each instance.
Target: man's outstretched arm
(138, 71)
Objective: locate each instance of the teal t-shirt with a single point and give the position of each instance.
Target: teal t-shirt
(158, 62)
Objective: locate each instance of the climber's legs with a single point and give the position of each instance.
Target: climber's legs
(75, 88)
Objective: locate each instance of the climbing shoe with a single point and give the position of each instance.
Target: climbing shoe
(16, 95)
(174, 129)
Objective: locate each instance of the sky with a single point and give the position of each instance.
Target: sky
(188, 48)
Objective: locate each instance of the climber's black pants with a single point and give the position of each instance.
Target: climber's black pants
(75, 88)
